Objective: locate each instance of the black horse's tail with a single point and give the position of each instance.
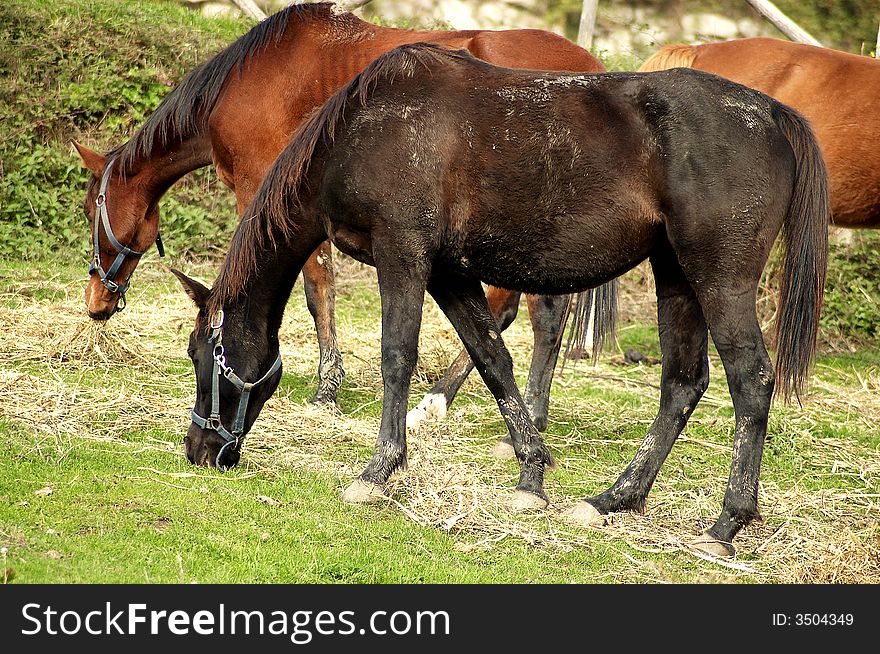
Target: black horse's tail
(601, 302)
(805, 238)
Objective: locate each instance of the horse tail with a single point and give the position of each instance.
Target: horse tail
(601, 302)
(805, 241)
(671, 56)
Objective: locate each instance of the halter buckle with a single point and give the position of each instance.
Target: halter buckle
(220, 356)
(217, 320)
(101, 199)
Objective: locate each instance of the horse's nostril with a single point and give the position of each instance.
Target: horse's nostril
(100, 315)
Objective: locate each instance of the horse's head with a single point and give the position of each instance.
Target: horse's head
(236, 372)
(124, 222)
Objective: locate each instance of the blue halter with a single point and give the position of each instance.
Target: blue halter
(103, 218)
(235, 437)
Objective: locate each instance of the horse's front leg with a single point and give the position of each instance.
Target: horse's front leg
(465, 305)
(548, 314)
(320, 288)
(402, 292)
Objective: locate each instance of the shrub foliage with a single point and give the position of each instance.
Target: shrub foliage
(93, 71)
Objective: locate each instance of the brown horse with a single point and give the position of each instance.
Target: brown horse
(443, 171)
(238, 111)
(836, 91)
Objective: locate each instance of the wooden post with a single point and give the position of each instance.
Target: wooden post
(587, 24)
(250, 8)
(877, 47)
(785, 24)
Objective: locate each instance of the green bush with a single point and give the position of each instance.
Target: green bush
(93, 71)
(852, 288)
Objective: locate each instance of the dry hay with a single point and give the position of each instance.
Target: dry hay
(452, 483)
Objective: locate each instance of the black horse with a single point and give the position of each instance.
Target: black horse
(441, 171)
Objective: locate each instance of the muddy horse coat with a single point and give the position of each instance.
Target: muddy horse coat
(238, 112)
(443, 171)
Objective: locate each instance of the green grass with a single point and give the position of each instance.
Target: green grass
(109, 522)
(125, 505)
(93, 70)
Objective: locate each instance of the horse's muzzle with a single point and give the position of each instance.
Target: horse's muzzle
(100, 303)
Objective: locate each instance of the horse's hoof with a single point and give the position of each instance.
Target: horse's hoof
(540, 423)
(324, 399)
(363, 492)
(585, 514)
(504, 449)
(432, 407)
(525, 501)
(708, 544)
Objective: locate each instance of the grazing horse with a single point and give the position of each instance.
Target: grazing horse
(443, 171)
(836, 91)
(238, 112)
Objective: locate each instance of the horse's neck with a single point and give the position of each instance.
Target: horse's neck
(157, 172)
(261, 304)
(259, 272)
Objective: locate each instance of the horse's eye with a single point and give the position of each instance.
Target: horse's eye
(190, 352)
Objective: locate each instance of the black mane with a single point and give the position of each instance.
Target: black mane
(268, 217)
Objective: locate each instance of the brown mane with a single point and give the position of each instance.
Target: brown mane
(267, 218)
(186, 109)
(677, 55)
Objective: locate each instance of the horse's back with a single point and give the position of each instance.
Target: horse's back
(836, 91)
(318, 52)
(532, 49)
(504, 159)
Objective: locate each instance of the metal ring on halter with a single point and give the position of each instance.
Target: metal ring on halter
(223, 449)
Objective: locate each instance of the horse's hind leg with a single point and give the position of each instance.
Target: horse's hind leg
(685, 376)
(504, 306)
(751, 379)
(547, 313)
(465, 305)
(320, 289)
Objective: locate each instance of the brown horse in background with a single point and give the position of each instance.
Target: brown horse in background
(238, 111)
(836, 91)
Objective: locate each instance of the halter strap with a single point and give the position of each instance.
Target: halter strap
(102, 218)
(212, 422)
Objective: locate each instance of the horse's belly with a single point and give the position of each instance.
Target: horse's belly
(561, 263)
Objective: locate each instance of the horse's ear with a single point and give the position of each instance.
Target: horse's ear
(197, 292)
(94, 161)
